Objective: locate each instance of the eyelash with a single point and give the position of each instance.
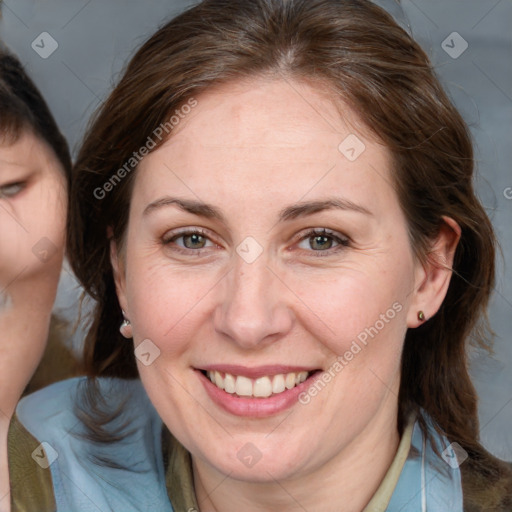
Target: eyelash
(341, 241)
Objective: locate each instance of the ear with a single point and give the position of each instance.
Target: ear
(432, 278)
(118, 269)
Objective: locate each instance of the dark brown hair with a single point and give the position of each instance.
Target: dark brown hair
(357, 50)
(23, 108)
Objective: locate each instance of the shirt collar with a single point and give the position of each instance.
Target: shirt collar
(383, 494)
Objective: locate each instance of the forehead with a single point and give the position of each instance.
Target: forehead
(27, 150)
(274, 114)
(263, 136)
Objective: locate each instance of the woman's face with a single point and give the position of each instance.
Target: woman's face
(32, 209)
(220, 272)
(32, 233)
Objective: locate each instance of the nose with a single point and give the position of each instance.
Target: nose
(252, 309)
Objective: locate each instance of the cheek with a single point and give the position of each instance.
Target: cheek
(12, 245)
(46, 209)
(353, 304)
(32, 230)
(164, 302)
(46, 218)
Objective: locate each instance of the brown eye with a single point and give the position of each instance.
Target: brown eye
(194, 241)
(322, 241)
(191, 240)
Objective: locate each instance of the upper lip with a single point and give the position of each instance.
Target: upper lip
(256, 371)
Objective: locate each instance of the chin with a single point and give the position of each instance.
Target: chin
(246, 462)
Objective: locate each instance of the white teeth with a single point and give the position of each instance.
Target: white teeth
(262, 387)
(278, 384)
(229, 383)
(219, 381)
(289, 381)
(243, 386)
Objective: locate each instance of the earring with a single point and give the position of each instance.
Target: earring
(421, 316)
(126, 327)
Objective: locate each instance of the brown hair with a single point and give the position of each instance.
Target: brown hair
(23, 108)
(367, 61)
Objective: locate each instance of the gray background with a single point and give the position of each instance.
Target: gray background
(96, 38)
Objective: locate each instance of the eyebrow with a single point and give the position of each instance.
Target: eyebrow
(291, 212)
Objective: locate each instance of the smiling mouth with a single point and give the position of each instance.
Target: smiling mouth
(262, 387)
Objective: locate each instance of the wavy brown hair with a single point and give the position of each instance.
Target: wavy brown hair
(357, 51)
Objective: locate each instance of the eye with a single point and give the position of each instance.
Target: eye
(322, 241)
(12, 189)
(186, 241)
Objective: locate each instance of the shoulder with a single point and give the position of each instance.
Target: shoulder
(479, 482)
(54, 412)
(30, 482)
(76, 471)
(40, 418)
(486, 483)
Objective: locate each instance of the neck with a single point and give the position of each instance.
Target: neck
(347, 481)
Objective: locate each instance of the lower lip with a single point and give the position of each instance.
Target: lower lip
(254, 407)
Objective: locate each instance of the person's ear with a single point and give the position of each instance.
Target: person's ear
(432, 278)
(118, 270)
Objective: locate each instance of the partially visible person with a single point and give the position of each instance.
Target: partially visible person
(35, 167)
